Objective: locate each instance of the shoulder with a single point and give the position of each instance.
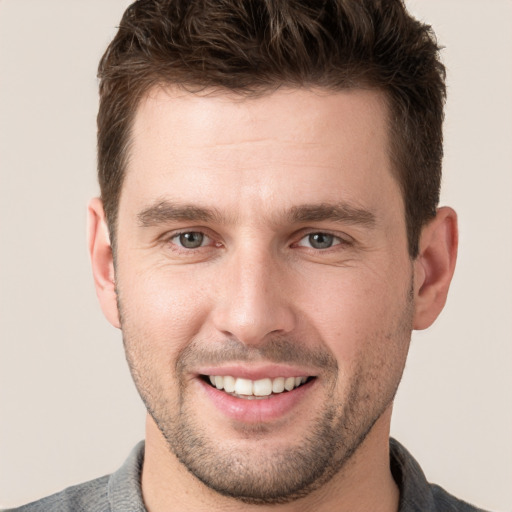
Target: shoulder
(85, 497)
(416, 493)
(117, 492)
(445, 502)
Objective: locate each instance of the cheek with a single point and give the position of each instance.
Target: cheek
(354, 309)
(161, 307)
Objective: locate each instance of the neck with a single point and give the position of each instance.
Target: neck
(364, 483)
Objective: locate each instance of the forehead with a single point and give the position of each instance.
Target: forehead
(285, 115)
(217, 147)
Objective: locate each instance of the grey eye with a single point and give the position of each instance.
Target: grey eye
(319, 241)
(191, 240)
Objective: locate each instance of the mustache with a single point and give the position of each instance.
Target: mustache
(277, 349)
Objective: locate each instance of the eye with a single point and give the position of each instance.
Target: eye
(190, 239)
(319, 241)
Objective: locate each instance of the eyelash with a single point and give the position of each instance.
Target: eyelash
(336, 241)
(180, 247)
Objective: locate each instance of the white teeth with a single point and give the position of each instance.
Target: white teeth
(289, 383)
(243, 387)
(278, 385)
(229, 384)
(262, 387)
(255, 388)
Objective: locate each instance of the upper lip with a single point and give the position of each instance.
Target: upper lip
(256, 372)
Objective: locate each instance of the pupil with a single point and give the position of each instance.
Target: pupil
(321, 240)
(191, 240)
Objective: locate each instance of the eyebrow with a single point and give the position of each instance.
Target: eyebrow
(165, 211)
(340, 212)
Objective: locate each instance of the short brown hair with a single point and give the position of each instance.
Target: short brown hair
(252, 47)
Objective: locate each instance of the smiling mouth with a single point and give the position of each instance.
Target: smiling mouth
(255, 389)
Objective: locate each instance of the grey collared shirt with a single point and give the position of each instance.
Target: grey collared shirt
(121, 491)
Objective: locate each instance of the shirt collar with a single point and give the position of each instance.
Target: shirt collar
(124, 486)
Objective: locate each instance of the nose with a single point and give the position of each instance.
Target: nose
(253, 300)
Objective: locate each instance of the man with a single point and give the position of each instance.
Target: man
(267, 238)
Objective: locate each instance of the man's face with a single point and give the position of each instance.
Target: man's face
(262, 246)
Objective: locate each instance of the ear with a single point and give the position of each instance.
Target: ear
(434, 266)
(102, 261)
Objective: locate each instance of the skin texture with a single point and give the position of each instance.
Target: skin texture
(257, 179)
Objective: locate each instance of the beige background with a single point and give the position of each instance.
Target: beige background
(68, 409)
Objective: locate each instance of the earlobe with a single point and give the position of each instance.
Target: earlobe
(434, 266)
(102, 261)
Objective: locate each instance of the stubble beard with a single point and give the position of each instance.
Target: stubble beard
(274, 476)
(281, 475)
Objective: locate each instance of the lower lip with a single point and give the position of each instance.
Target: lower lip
(257, 410)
